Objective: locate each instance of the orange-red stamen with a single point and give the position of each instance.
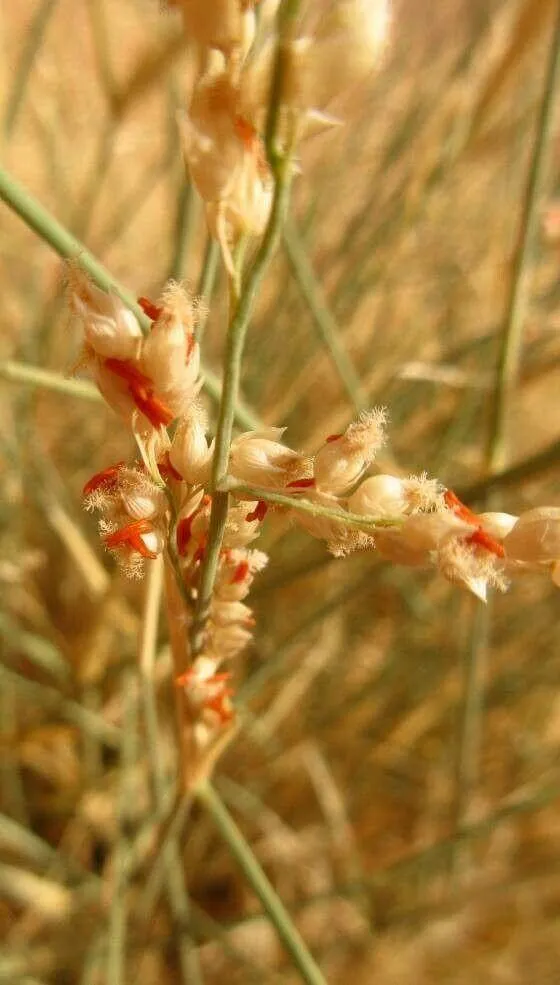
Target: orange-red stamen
(332, 437)
(167, 470)
(106, 479)
(259, 512)
(459, 508)
(220, 704)
(484, 540)
(150, 309)
(240, 573)
(191, 342)
(127, 371)
(158, 413)
(184, 534)
(301, 484)
(217, 702)
(131, 537)
(246, 132)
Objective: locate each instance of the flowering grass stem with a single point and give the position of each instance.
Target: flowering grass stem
(237, 332)
(356, 521)
(241, 851)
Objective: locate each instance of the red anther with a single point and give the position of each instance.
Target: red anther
(106, 479)
(127, 371)
(484, 540)
(301, 484)
(191, 343)
(158, 413)
(259, 512)
(184, 534)
(240, 573)
(332, 437)
(131, 537)
(199, 555)
(206, 500)
(150, 309)
(185, 677)
(459, 508)
(167, 470)
(220, 704)
(246, 131)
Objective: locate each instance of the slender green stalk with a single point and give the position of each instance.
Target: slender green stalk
(62, 241)
(47, 379)
(327, 328)
(257, 879)
(101, 44)
(232, 372)
(286, 20)
(207, 281)
(174, 874)
(66, 245)
(33, 39)
(507, 369)
(356, 521)
(185, 217)
(171, 828)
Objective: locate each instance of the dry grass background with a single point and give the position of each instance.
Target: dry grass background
(404, 805)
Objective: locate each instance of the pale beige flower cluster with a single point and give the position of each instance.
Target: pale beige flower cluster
(335, 45)
(161, 504)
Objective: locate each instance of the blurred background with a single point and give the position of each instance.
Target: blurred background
(397, 771)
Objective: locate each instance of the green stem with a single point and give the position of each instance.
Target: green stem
(232, 372)
(510, 353)
(185, 218)
(16, 372)
(356, 521)
(241, 851)
(207, 281)
(62, 241)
